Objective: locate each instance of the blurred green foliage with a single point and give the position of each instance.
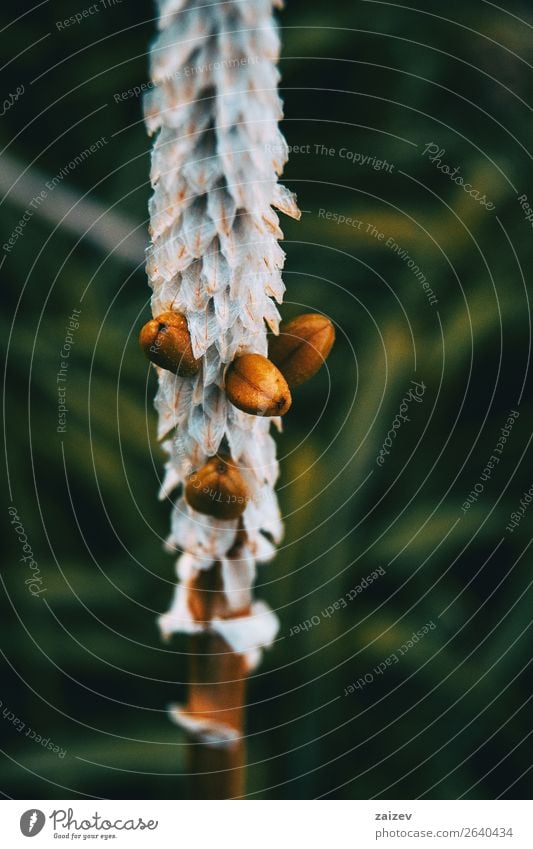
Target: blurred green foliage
(85, 667)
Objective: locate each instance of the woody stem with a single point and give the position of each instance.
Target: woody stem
(217, 692)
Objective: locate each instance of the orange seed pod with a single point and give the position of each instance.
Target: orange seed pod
(166, 341)
(302, 347)
(217, 489)
(256, 386)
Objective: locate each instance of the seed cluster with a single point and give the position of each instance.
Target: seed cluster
(255, 384)
(214, 265)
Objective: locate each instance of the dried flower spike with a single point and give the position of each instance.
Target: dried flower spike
(215, 258)
(256, 386)
(217, 489)
(166, 341)
(302, 346)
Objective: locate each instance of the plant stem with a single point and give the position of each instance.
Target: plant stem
(217, 692)
(217, 688)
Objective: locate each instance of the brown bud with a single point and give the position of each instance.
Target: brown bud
(256, 386)
(166, 341)
(302, 347)
(217, 489)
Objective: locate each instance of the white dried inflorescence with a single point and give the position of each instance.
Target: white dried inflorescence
(215, 258)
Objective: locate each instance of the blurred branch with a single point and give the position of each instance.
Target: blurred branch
(109, 231)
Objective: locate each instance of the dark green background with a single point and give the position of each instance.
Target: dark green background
(86, 666)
